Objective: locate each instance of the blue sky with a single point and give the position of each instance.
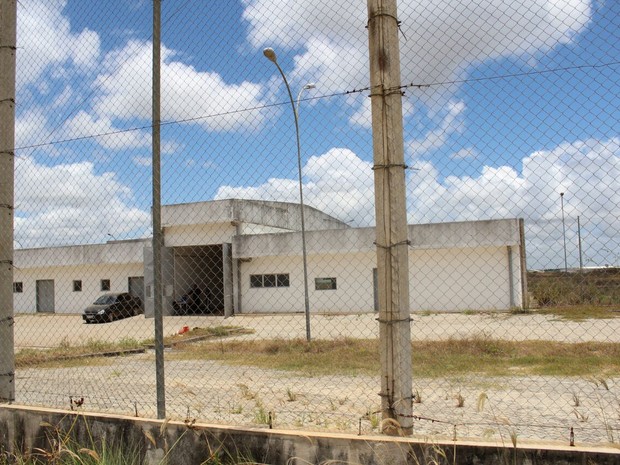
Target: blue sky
(521, 103)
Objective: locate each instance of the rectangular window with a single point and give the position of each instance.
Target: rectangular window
(256, 280)
(325, 284)
(282, 280)
(105, 284)
(77, 285)
(269, 280)
(18, 287)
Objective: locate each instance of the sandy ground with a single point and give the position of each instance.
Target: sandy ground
(52, 330)
(526, 407)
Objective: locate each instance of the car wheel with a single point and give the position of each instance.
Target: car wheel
(110, 317)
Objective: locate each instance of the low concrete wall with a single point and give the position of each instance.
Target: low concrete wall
(158, 442)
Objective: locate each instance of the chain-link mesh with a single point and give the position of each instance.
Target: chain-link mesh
(512, 144)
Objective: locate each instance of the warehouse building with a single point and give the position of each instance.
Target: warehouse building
(245, 256)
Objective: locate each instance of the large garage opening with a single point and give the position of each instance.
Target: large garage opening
(199, 280)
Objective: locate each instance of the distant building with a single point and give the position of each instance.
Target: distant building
(245, 256)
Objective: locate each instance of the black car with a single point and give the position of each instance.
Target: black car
(109, 307)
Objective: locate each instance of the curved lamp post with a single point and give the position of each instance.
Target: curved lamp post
(271, 56)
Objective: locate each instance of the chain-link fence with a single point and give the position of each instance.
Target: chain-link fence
(512, 145)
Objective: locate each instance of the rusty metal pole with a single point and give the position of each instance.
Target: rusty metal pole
(391, 216)
(8, 14)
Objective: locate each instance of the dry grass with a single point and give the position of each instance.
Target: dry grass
(94, 351)
(589, 288)
(450, 358)
(581, 312)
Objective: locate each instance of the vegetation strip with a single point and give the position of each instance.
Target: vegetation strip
(99, 349)
(453, 357)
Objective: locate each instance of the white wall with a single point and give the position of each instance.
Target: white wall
(452, 267)
(354, 279)
(65, 300)
(440, 280)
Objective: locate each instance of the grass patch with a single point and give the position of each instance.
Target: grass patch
(92, 352)
(589, 287)
(314, 358)
(581, 312)
(450, 358)
(73, 355)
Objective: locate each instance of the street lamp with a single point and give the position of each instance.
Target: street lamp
(271, 56)
(563, 231)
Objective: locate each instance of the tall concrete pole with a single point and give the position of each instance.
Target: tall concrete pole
(8, 15)
(157, 231)
(391, 213)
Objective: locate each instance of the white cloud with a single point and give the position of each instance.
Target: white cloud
(143, 161)
(190, 95)
(71, 204)
(467, 153)
(45, 41)
(341, 184)
(84, 124)
(452, 122)
(338, 183)
(443, 37)
(588, 172)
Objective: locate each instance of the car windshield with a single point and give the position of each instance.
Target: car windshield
(105, 300)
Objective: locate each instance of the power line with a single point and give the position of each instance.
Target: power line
(320, 97)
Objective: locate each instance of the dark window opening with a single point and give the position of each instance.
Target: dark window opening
(325, 284)
(269, 280)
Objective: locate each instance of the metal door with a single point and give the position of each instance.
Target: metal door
(45, 296)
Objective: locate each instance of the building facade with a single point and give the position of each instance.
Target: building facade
(244, 256)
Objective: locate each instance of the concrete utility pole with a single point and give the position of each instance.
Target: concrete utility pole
(157, 234)
(391, 212)
(8, 18)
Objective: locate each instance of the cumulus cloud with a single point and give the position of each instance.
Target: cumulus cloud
(341, 184)
(72, 204)
(62, 47)
(588, 172)
(338, 183)
(444, 37)
(189, 95)
(451, 123)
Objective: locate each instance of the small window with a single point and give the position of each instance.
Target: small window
(283, 280)
(256, 280)
(18, 287)
(105, 284)
(269, 280)
(325, 284)
(77, 285)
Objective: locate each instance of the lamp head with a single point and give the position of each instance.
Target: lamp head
(270, 54)
(310, 85)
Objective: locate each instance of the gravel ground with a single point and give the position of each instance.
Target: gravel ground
(524, 407)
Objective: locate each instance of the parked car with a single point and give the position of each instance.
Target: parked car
(194, 302)
(109, 307)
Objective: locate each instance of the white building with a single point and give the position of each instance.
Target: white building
(246, 255)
